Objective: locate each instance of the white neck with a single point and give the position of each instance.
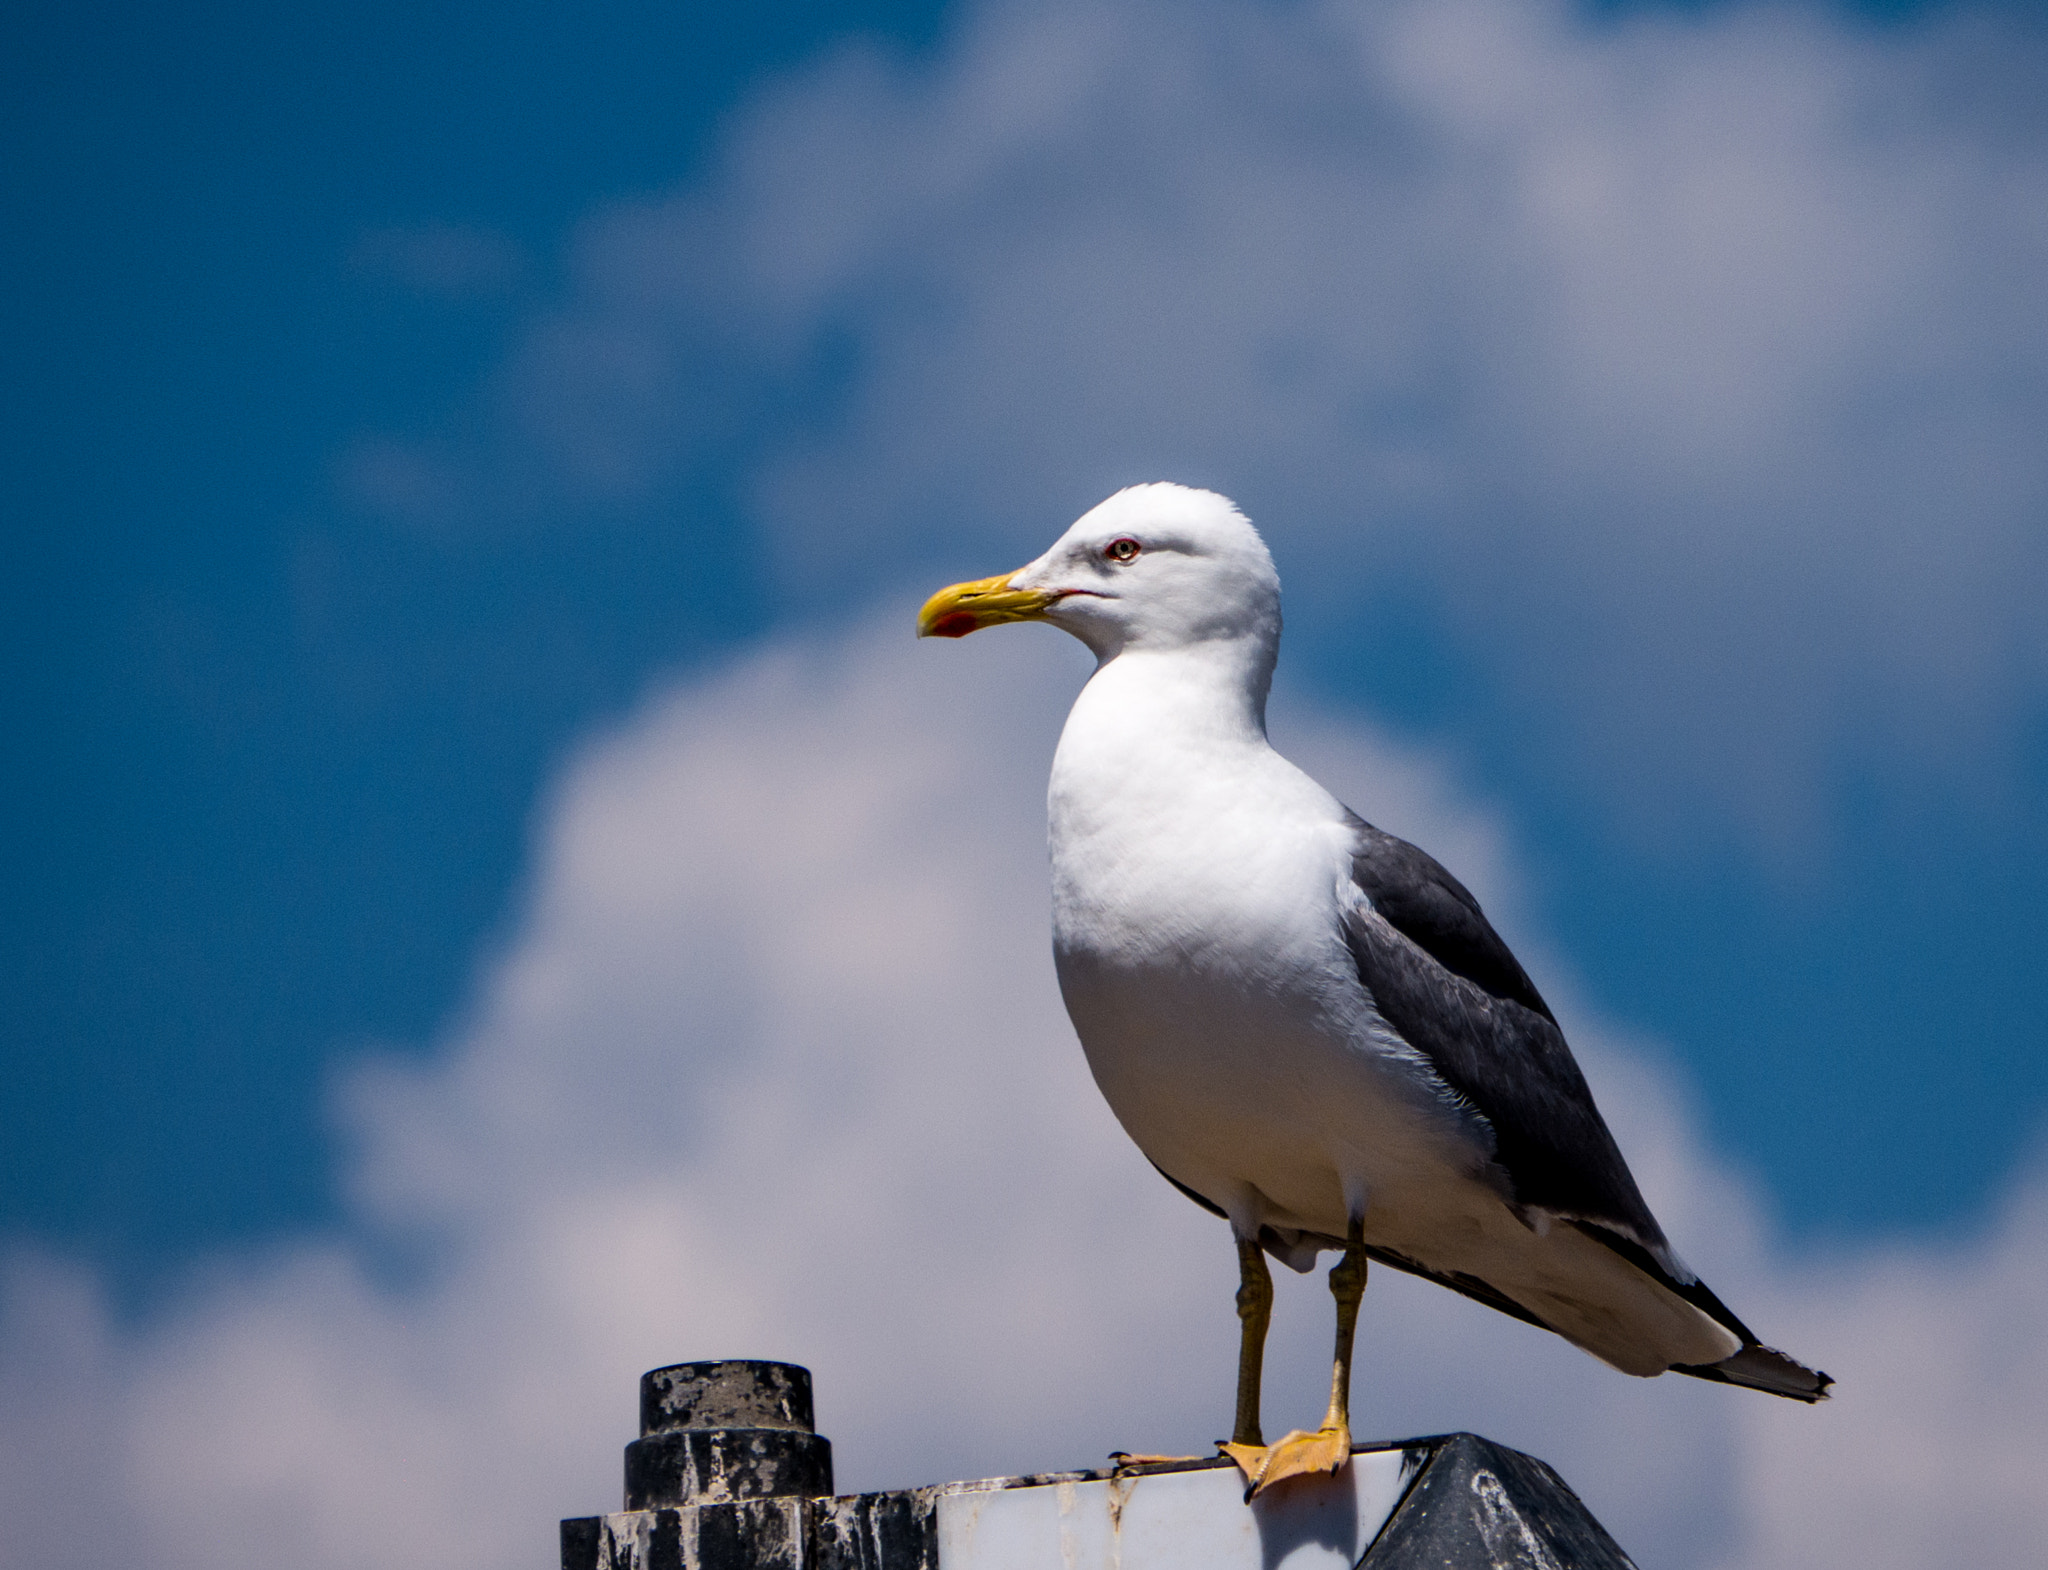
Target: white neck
(1210, 693)
(1154, 734)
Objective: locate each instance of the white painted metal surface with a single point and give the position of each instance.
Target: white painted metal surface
(1194, 1520)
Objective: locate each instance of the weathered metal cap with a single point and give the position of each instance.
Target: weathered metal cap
(713, 1433)
(734, 1393)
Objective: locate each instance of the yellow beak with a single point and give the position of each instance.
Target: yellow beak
(969, 607)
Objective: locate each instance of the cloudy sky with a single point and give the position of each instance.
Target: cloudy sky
(492, 885)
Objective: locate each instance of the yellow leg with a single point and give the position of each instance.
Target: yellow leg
(1329, 1447)
(1254, 1313)
(1247, 1446)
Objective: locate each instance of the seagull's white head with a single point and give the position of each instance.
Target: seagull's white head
(1155, 567)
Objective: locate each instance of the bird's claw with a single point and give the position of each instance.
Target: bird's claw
(1298, 1455)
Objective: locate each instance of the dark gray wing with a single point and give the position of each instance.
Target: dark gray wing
(1441, 977)
(1438, 914)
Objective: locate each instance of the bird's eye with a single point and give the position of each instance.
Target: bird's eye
(1123, 550)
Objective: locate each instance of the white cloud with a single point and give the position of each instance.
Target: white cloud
(772, 1063)
(1695, 363)
(1945, 1375)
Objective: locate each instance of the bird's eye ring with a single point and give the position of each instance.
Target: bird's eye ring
(1123, 550)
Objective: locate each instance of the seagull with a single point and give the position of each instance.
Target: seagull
(1307, 1025)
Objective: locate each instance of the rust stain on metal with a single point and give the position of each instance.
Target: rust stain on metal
(1120, 1486)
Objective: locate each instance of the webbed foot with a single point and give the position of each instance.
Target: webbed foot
(1298, 1455)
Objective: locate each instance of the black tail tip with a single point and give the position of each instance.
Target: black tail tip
(1767, 1369)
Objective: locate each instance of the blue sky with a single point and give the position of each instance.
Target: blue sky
(472, 789)
(274, 764)
(277, 756)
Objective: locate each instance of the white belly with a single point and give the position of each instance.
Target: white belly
(1265, 1105)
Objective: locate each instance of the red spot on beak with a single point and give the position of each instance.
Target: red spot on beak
(956, 625)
